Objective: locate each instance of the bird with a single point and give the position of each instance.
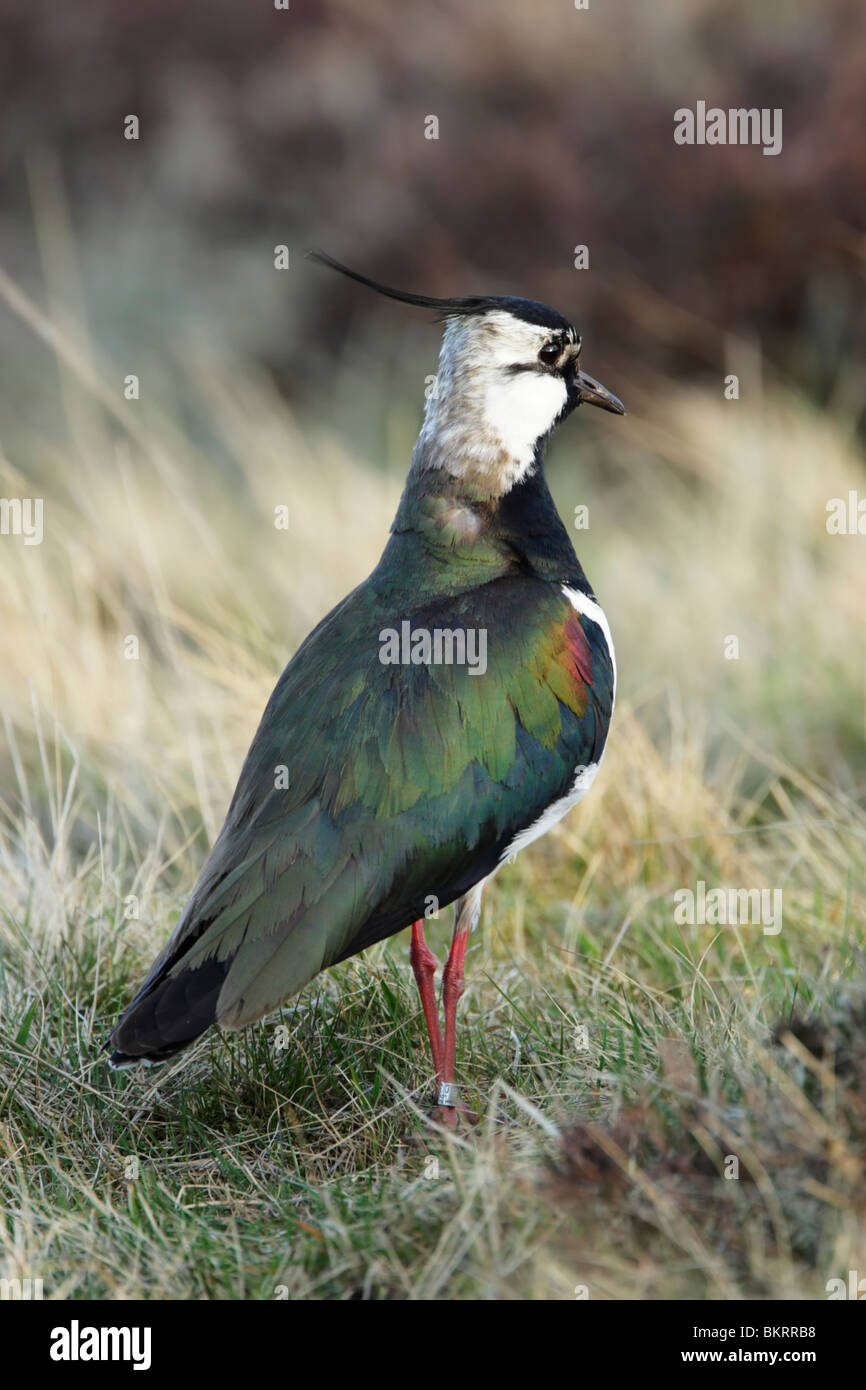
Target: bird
(448, 712)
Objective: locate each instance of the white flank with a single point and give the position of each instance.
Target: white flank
(584, 776)
(583, 780)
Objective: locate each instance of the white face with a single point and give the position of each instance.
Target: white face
(494, 399)
(519, 406)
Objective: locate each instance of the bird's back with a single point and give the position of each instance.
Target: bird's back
(375, 787)
(443, 715)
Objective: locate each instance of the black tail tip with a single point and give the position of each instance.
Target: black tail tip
(122, 1061)
(119, 1061)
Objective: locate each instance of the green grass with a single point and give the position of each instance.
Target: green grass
(617, 1059)
(599, 1159)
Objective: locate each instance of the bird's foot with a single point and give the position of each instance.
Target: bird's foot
(449, 1111)
(454, 1117)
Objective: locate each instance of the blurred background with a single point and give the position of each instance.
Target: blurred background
(261, 128)
(307, 127)
(737, 751)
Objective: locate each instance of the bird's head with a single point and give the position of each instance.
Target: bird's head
(509, 371)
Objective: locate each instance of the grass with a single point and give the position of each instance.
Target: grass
(621, 1062)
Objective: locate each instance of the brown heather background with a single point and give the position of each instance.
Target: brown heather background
(307, 127)
(707, 518)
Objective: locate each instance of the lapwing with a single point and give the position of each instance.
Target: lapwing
(447, 713)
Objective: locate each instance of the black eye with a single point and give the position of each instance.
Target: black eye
(549, 353)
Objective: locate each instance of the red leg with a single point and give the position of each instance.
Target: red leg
(453, 985)
(423, 963)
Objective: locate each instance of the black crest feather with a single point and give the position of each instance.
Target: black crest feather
(527, 309)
